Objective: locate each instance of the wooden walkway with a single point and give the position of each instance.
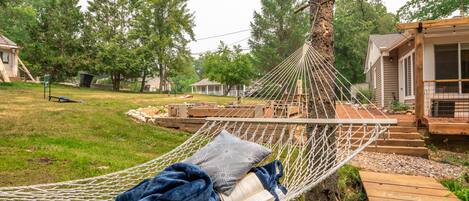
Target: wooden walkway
(394, 187)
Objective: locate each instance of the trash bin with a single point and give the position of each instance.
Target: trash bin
(85, 80)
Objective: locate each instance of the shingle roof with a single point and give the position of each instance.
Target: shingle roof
(386, 40)
(205, 82)
(5, 41)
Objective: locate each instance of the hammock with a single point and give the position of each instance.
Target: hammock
(312, 138)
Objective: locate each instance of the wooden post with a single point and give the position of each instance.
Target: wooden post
(26, 70)
(419, 85)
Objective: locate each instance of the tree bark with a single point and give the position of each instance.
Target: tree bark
(322, 39)
(116, 81)
(142, 86)
(162, 78)
(228, 89)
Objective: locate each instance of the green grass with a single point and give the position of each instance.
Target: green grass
(350, 185)
(460, 187)
(43, 141)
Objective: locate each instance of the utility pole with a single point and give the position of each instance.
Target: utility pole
(322, 39)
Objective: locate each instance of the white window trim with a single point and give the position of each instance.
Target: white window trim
(374, 78)
(412, 81)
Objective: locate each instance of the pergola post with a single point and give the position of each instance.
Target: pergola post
(419, 85)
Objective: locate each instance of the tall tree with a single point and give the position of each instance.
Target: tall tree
(322, 39)
(163, 29)
(228, 66)
(110, 21)
(276, 32)
(432, 9)
(354, 21)
(56, 38)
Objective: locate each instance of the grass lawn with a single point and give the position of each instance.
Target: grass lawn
(43, 141)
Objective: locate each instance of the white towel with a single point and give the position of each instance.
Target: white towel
(248, 189)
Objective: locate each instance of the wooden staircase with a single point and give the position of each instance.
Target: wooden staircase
(401, 139)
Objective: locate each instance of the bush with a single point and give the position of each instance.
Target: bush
(398, 106)
(364, 95)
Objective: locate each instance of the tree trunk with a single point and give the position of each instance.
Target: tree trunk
(322, 37)
(161, 88)
(228, 89)
(142, 86)
(116, 81)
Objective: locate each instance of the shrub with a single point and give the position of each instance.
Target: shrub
(364, 95)
(398, 106)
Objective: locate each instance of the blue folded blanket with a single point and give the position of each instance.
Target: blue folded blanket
(184, 182)
(178, 182)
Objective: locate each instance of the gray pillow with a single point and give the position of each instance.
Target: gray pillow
(227, 159)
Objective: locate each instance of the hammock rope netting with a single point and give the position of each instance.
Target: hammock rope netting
(311, 138)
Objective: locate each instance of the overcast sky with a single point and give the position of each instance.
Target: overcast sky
(218, 17)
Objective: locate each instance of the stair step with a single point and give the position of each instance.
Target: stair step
(401, 129)
(406, 123)
(410, 151)
(396, 135)
(396, 142)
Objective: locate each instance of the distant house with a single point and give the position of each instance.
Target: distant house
(208, 87)
(426, 66)
(9, 57)
(153, 85)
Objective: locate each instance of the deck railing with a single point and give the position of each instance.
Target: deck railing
(447, 98)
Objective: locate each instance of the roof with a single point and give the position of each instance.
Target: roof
(386, 40)
(205, 82)
(5, 41)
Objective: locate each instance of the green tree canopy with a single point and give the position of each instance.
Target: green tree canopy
(55, 46)
(163, 29)
(277, 32)
(108, 24)
(228, 66)
(432, 9)
(354, 21)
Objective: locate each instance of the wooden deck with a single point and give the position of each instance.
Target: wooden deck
(394, 187)
(447, 126)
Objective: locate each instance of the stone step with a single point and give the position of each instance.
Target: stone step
(395, 142)
(402, 150)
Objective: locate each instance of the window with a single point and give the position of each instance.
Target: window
(5, 57)
(408, 71)
(447, 68)
(374, 78)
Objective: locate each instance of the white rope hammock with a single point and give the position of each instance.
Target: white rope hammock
(310, 141)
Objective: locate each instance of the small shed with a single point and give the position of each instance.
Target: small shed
(9, 59)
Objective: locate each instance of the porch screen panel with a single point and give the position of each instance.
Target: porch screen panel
(446, 68)
(465, 66)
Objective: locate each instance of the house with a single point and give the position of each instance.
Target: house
(9, 59)
(208, 87)
(153, 85)
(426, 66)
